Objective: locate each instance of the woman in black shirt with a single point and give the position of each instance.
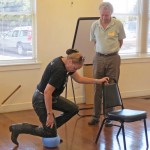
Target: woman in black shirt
(47, 97)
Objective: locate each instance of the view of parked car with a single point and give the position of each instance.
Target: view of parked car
(18, 40)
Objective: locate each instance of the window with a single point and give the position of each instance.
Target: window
(132, 13)
(16, 31)
(148, 43)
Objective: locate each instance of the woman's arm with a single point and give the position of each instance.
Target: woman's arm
(86, 80)
(48, 103)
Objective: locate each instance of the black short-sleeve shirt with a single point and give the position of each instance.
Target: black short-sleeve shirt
(56, 75)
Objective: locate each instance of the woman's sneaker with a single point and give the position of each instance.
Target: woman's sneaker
(94, 121)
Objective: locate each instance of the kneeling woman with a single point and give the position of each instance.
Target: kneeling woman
(47, 97)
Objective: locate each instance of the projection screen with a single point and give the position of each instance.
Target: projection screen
(81, 39)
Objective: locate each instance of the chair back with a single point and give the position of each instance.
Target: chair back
(111, 96)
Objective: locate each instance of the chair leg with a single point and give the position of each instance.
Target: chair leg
(118, 132)
(99, 132)
(146, 136)
(123, 133)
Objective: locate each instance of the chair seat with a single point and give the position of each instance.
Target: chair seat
(112, 99)
(127, 115)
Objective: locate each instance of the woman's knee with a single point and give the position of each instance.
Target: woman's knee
(75, 109)
(50, 132)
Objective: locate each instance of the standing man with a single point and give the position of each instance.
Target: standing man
(107, 33)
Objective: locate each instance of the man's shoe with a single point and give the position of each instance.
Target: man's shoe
(61, 140)
(108, 123)
(94, 121)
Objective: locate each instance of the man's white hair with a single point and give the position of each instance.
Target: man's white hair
(106, 5)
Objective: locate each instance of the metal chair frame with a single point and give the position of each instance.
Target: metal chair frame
(112, 98)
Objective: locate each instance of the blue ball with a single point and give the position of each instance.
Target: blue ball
(51, 142)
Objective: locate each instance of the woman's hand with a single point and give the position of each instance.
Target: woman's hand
(50, 120)
(102, 80)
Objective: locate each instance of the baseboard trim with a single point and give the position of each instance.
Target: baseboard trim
(138, 93)
(78, 100)
(15, 107)
(27, 106)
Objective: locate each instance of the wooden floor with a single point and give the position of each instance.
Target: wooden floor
(77, 134)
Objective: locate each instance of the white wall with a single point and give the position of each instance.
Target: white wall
(56, 21)
(134, 78)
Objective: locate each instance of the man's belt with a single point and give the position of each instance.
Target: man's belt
(111, 54)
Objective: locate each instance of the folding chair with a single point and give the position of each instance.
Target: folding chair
(112, 98)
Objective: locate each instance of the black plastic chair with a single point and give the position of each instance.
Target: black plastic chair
(112, 98)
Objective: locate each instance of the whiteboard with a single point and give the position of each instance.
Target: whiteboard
(81, 40)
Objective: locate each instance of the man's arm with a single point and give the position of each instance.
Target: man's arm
(121, 42)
